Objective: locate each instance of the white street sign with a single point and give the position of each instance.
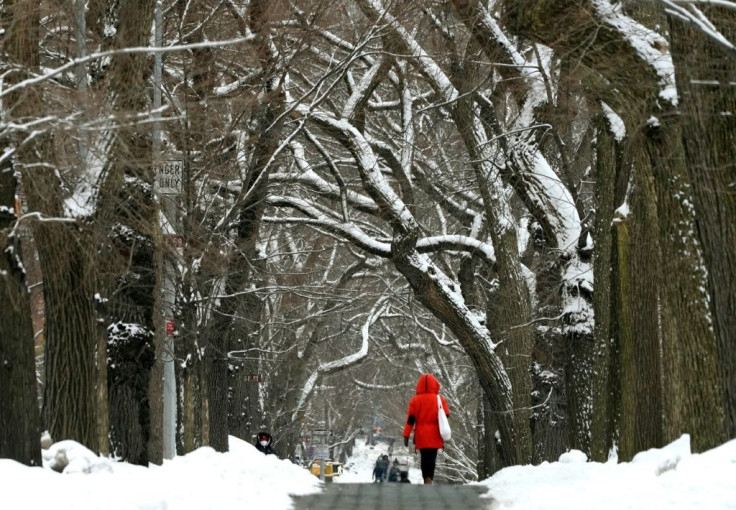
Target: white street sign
(321, 451)
(167, 177)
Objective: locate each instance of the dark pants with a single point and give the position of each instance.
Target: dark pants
(429, 461)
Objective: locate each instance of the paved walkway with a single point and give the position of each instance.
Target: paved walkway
(395, 496)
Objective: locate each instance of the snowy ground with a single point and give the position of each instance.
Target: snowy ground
(668, 478)
(202, 480)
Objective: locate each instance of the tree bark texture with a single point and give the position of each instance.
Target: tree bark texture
(692, 380)
(69, 409)
(706, 73)
(608, 167)
(639, 296)
(19, 421)
(69, 405)
(127, 206)
(509, 311)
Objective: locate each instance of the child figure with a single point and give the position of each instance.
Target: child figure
(378, 471)
(393, 475)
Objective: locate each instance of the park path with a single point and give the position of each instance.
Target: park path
(395, 496)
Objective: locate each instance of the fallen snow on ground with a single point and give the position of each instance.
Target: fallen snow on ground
(667, 478)
(201, 480)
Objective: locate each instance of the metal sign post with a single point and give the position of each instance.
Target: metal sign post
(168, 185)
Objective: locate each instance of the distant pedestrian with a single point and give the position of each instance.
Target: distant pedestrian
(386, 464)
(393, 474)
(264, 443)
(378, 471)
(404, 477)
(422, 416)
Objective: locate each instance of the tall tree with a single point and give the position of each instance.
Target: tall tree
(702, 49)
(19, 425)
(127, 205)
(69, 403)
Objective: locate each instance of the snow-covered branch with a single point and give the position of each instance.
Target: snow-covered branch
(649, 46)
(695, 16)
(123, 51)
(343, 363)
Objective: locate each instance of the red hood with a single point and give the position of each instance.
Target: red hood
(427, 384)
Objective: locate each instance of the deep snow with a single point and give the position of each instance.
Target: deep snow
(668, 478)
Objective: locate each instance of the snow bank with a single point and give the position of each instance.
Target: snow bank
(666, 478)
(203, 479)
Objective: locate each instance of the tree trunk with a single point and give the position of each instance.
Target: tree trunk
(19, 421)
(69, 405)
(128, 208)
(706, 73)
(71, 336)
(608, 167)
(244, 407)
(692, 379)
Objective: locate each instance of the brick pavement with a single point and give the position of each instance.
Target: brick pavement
(395, 496)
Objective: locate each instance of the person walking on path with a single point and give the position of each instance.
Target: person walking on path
(386, 463)
(422, 417)
(378, 473)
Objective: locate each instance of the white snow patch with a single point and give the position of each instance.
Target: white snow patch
(618, 128)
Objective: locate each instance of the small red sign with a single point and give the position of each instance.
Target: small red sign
(170, 327)
(174, 241)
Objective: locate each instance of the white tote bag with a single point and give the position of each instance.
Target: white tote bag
(445, 431)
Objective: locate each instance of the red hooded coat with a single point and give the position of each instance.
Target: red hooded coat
(422, 414)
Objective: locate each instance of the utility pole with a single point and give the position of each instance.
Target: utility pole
(168, 207)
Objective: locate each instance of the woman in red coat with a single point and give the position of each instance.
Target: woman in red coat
(422, 416)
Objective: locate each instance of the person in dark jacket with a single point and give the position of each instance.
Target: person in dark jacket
(422, 417)
(378, 472)
(404, 477)
(386, 463)
(264, 443)
(393, 474)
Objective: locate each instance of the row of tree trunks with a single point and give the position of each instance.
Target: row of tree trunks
(517, 170)
(688, 343)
